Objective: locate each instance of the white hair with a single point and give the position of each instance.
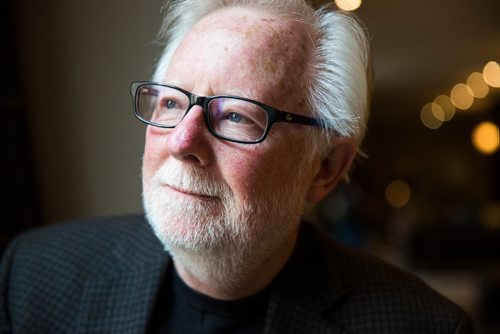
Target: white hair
(338, 81)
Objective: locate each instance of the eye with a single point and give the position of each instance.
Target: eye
(169, 104)
(234, 117)
(236, 113)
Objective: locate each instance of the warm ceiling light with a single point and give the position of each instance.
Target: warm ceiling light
(349, 5)
(428, 119)
(477, 85)
(446, 105)
(486, 138)
(491, 74)
(461, 96)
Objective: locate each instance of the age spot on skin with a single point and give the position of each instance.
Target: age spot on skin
(268, 20)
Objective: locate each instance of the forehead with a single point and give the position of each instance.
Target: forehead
(243, 50)
(255, 26)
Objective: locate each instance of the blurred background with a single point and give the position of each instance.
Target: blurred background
(427, 197)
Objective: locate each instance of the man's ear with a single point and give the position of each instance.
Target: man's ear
(332, 167)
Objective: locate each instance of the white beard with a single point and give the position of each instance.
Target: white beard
(219, 238)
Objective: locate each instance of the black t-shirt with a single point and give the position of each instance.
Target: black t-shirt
(182, 310)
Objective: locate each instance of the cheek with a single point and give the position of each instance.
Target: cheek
(286, 161)
(253, 173)
(154, 151)
(238, 171)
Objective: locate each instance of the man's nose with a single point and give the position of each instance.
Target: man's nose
(189, 140)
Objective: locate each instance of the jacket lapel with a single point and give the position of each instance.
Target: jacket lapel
(307, 291)
(121, 297)
(289, 318)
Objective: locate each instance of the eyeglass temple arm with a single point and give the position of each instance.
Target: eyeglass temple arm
(283, 116)
(287, 117)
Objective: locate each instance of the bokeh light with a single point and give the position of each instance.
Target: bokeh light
(491, 74)
(437, 111)
(398, 193)
(427, 117)
(349, 5)
(446, 105)
(477, 85)
(489, 216)
(486, 138)
(462, 96)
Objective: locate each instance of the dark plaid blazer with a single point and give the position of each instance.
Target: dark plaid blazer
(102, 276)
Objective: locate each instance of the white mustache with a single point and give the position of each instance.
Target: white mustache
(191, 180)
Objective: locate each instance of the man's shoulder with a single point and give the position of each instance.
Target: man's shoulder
(47, 274)
(80, 243)
(89, 233)
(355, 266)
(87, 228)
(378, 293)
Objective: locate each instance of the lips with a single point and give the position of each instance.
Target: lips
(189, 192)
(196, 183)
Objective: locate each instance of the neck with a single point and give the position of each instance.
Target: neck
(233, 274)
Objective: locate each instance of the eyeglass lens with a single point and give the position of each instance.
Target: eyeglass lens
(231, 118)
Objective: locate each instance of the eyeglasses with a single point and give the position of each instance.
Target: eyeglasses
(232, 118)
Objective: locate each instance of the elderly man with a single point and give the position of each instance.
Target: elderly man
(256, 109)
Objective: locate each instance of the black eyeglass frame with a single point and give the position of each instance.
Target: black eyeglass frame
(273, 114)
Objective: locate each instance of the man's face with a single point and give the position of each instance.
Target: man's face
(203, 193)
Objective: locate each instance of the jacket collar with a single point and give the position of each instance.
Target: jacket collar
(121, 294)
(308, 289)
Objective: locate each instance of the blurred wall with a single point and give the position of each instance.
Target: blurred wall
(77, 59)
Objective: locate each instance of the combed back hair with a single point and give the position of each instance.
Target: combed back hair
(338, 78)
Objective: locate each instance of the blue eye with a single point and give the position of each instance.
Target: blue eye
(170, 104)
(234, 117)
